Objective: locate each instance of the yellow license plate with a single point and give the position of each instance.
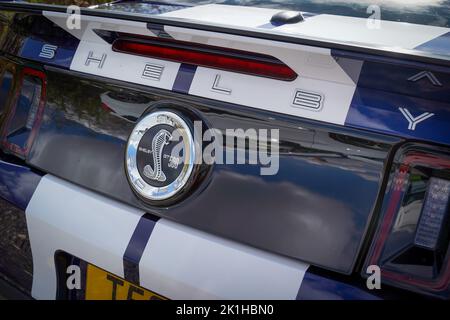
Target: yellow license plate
(102, 285)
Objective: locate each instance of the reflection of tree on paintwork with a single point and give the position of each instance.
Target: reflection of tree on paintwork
(80, 3)
(80, 100)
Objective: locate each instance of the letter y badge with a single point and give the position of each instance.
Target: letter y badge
(414, 121)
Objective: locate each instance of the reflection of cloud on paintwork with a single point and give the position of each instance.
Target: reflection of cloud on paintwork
(343, 152)
(374, 120)
(107, 124)
(369, 171)
(327, 223)
(125, 105)
(16, 185)
(84, 168)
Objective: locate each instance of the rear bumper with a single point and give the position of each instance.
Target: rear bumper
(233, 232)
(176, 261)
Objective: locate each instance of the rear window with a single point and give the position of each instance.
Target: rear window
(426, 12)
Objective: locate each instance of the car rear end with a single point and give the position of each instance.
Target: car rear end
(339, 189)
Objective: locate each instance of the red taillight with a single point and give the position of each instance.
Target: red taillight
(25, 114)
(105, 107)
(411, 245)
(215, 60)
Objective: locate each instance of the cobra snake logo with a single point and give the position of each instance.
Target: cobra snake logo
(160, 140)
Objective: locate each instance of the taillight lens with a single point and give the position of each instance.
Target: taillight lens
(411, 245)
(25, 112)
(208, 56)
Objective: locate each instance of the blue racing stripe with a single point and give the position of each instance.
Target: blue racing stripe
(136, 246)
(184, 78)
(17, 183)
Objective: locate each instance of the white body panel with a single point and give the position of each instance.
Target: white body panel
(318, 71)
(315, 66)
(116, 65)
(184, 263)
(178, 262)
(62, 216)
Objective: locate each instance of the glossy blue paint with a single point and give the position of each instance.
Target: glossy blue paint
(408, 80)
(17, 183)
(63, 54)
(316, 287)
(379, 111)
(439, 45)
(384, 85)
(368, 57)
(43, 32)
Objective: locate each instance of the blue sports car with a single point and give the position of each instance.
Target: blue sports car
(228, 149)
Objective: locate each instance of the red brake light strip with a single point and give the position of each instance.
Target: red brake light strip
(38, 117)
(226, 62)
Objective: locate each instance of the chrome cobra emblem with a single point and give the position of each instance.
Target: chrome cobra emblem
(161, 139)
(160, 156)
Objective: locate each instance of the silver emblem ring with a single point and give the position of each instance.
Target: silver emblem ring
(155, 172)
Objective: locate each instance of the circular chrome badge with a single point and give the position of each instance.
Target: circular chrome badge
(160, 155)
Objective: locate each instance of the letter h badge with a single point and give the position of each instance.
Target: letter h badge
(93, 59)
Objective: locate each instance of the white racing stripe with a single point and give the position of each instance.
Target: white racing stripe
(122, 66)
(184, 263)
(178, 262)
(115, 65)
(307, 61)
(237, 16)
(250, 91)
(62, 216)
(317, 70)
(355, 31)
